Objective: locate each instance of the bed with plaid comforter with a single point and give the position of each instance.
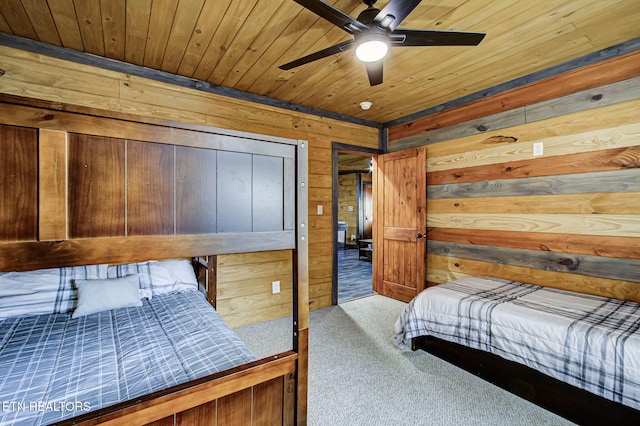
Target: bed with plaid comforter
(54, 367)
(587, 341)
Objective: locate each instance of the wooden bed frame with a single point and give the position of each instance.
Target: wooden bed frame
(570, 402)
(50, 231)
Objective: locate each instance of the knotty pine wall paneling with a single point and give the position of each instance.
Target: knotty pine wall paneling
(76, 87)
(347, 197)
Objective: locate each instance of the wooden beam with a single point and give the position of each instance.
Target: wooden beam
(25, 256)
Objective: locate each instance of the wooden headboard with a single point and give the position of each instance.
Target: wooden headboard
(79, 189)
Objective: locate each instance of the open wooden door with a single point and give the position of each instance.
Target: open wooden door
(400, 224)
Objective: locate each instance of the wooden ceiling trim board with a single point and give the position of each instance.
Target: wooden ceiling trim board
(162, 12)
(126, 68)
(64, 15)
(246, 35)
(320, 35)
(90, 24)
(609, 71)
(257, 48)
(226, 32)
(184, 23)
(271, 77)
(4, 26)
(592, 59)
(208, 22)
(113, 27)
(252, 79)
(137, 19)
(15, 14)
(42, 21)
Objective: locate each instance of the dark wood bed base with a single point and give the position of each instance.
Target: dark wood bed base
(570, 402)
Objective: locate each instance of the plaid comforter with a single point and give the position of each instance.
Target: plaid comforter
(53, 367)
(587, 341)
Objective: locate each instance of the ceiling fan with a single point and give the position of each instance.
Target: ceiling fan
(375, 30)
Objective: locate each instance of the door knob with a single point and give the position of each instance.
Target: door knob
(418, 235)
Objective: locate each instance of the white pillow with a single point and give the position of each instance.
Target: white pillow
(104, 295)
(43, 291)
(159, 276)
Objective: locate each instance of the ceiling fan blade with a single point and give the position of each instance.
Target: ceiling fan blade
(407, 37)
(333, 15)
(337, 48)
(374, 71)
(394, 13)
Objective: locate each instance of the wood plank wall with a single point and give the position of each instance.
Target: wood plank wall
(569, 218)
(75, 87)
(347, 198)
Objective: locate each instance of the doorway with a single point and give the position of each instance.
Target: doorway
(353, 207)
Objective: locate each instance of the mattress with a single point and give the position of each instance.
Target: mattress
(587, 341)
(53, 367)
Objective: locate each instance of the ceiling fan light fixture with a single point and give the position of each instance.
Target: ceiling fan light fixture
(372, 47)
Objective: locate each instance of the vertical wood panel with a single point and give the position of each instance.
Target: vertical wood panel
(19, 181)
(97, 200)
(235, 409)
(195, 190)
(150, 189)
(268, 403)
(52, 219)
(234, 192)
(267, 193)
(204, 414)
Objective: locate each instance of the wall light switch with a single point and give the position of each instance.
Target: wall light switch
(319, 209)
(275, 287)
(538, 148)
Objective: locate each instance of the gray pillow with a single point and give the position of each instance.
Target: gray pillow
(103, 295)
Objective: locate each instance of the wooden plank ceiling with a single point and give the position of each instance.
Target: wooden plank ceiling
(241, 43)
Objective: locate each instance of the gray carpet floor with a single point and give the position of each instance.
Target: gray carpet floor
(357, 376)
